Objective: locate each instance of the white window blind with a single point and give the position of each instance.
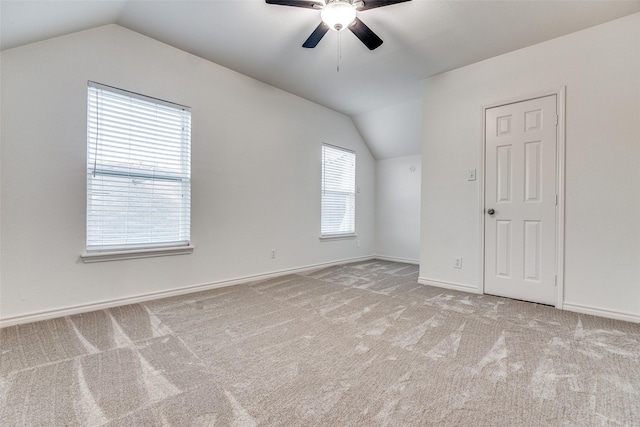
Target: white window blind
(138, 171)
(338, 215)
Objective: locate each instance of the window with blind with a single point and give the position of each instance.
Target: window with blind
(138, 171)
(338, 216)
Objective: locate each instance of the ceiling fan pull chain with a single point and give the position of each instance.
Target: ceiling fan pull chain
(339, 53)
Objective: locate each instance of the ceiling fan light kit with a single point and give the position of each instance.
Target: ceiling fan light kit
(338, 15)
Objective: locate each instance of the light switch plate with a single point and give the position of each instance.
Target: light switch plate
(471, 175)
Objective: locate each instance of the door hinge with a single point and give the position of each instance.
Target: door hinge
(555, 281)
(556, 200)
(557, 119)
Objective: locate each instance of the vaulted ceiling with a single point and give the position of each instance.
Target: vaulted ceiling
(379, 89)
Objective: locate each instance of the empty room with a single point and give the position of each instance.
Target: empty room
(320, 213)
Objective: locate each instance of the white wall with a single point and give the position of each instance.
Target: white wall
(394, 130)
(255, 172)
(0, 182)
(398, 208)
(600, 67)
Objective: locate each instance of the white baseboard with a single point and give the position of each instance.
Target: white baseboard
(601, 312)
(449, 285)
(398, 259)
(84, 308)
(577, 308)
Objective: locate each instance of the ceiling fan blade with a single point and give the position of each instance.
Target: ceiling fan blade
(316, 36)
(309, 4)
(364, 33)
(371, 4)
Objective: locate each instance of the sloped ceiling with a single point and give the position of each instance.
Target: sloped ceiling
(379, 89)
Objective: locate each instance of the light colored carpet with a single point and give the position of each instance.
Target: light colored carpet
(356, 345)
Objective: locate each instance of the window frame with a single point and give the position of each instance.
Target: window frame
(181, 177)
(338, 235)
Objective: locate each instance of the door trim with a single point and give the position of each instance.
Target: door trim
(560, 185)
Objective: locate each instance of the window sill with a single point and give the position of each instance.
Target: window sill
(135, 253)
(338, 236)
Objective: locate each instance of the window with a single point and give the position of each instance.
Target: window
(138, 171)
(338, 192)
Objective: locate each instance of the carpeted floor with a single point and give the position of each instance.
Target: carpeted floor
(356, 345)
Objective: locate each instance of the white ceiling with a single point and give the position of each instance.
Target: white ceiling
(379, 89)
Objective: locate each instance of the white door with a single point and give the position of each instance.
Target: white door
(520, 200)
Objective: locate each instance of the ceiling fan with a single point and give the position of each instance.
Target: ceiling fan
(338, 15)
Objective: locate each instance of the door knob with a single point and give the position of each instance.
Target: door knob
(491, 211)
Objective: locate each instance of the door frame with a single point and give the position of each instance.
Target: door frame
(560, 185)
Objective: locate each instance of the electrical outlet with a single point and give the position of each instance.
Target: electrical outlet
(457, 262)
(273, 253)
